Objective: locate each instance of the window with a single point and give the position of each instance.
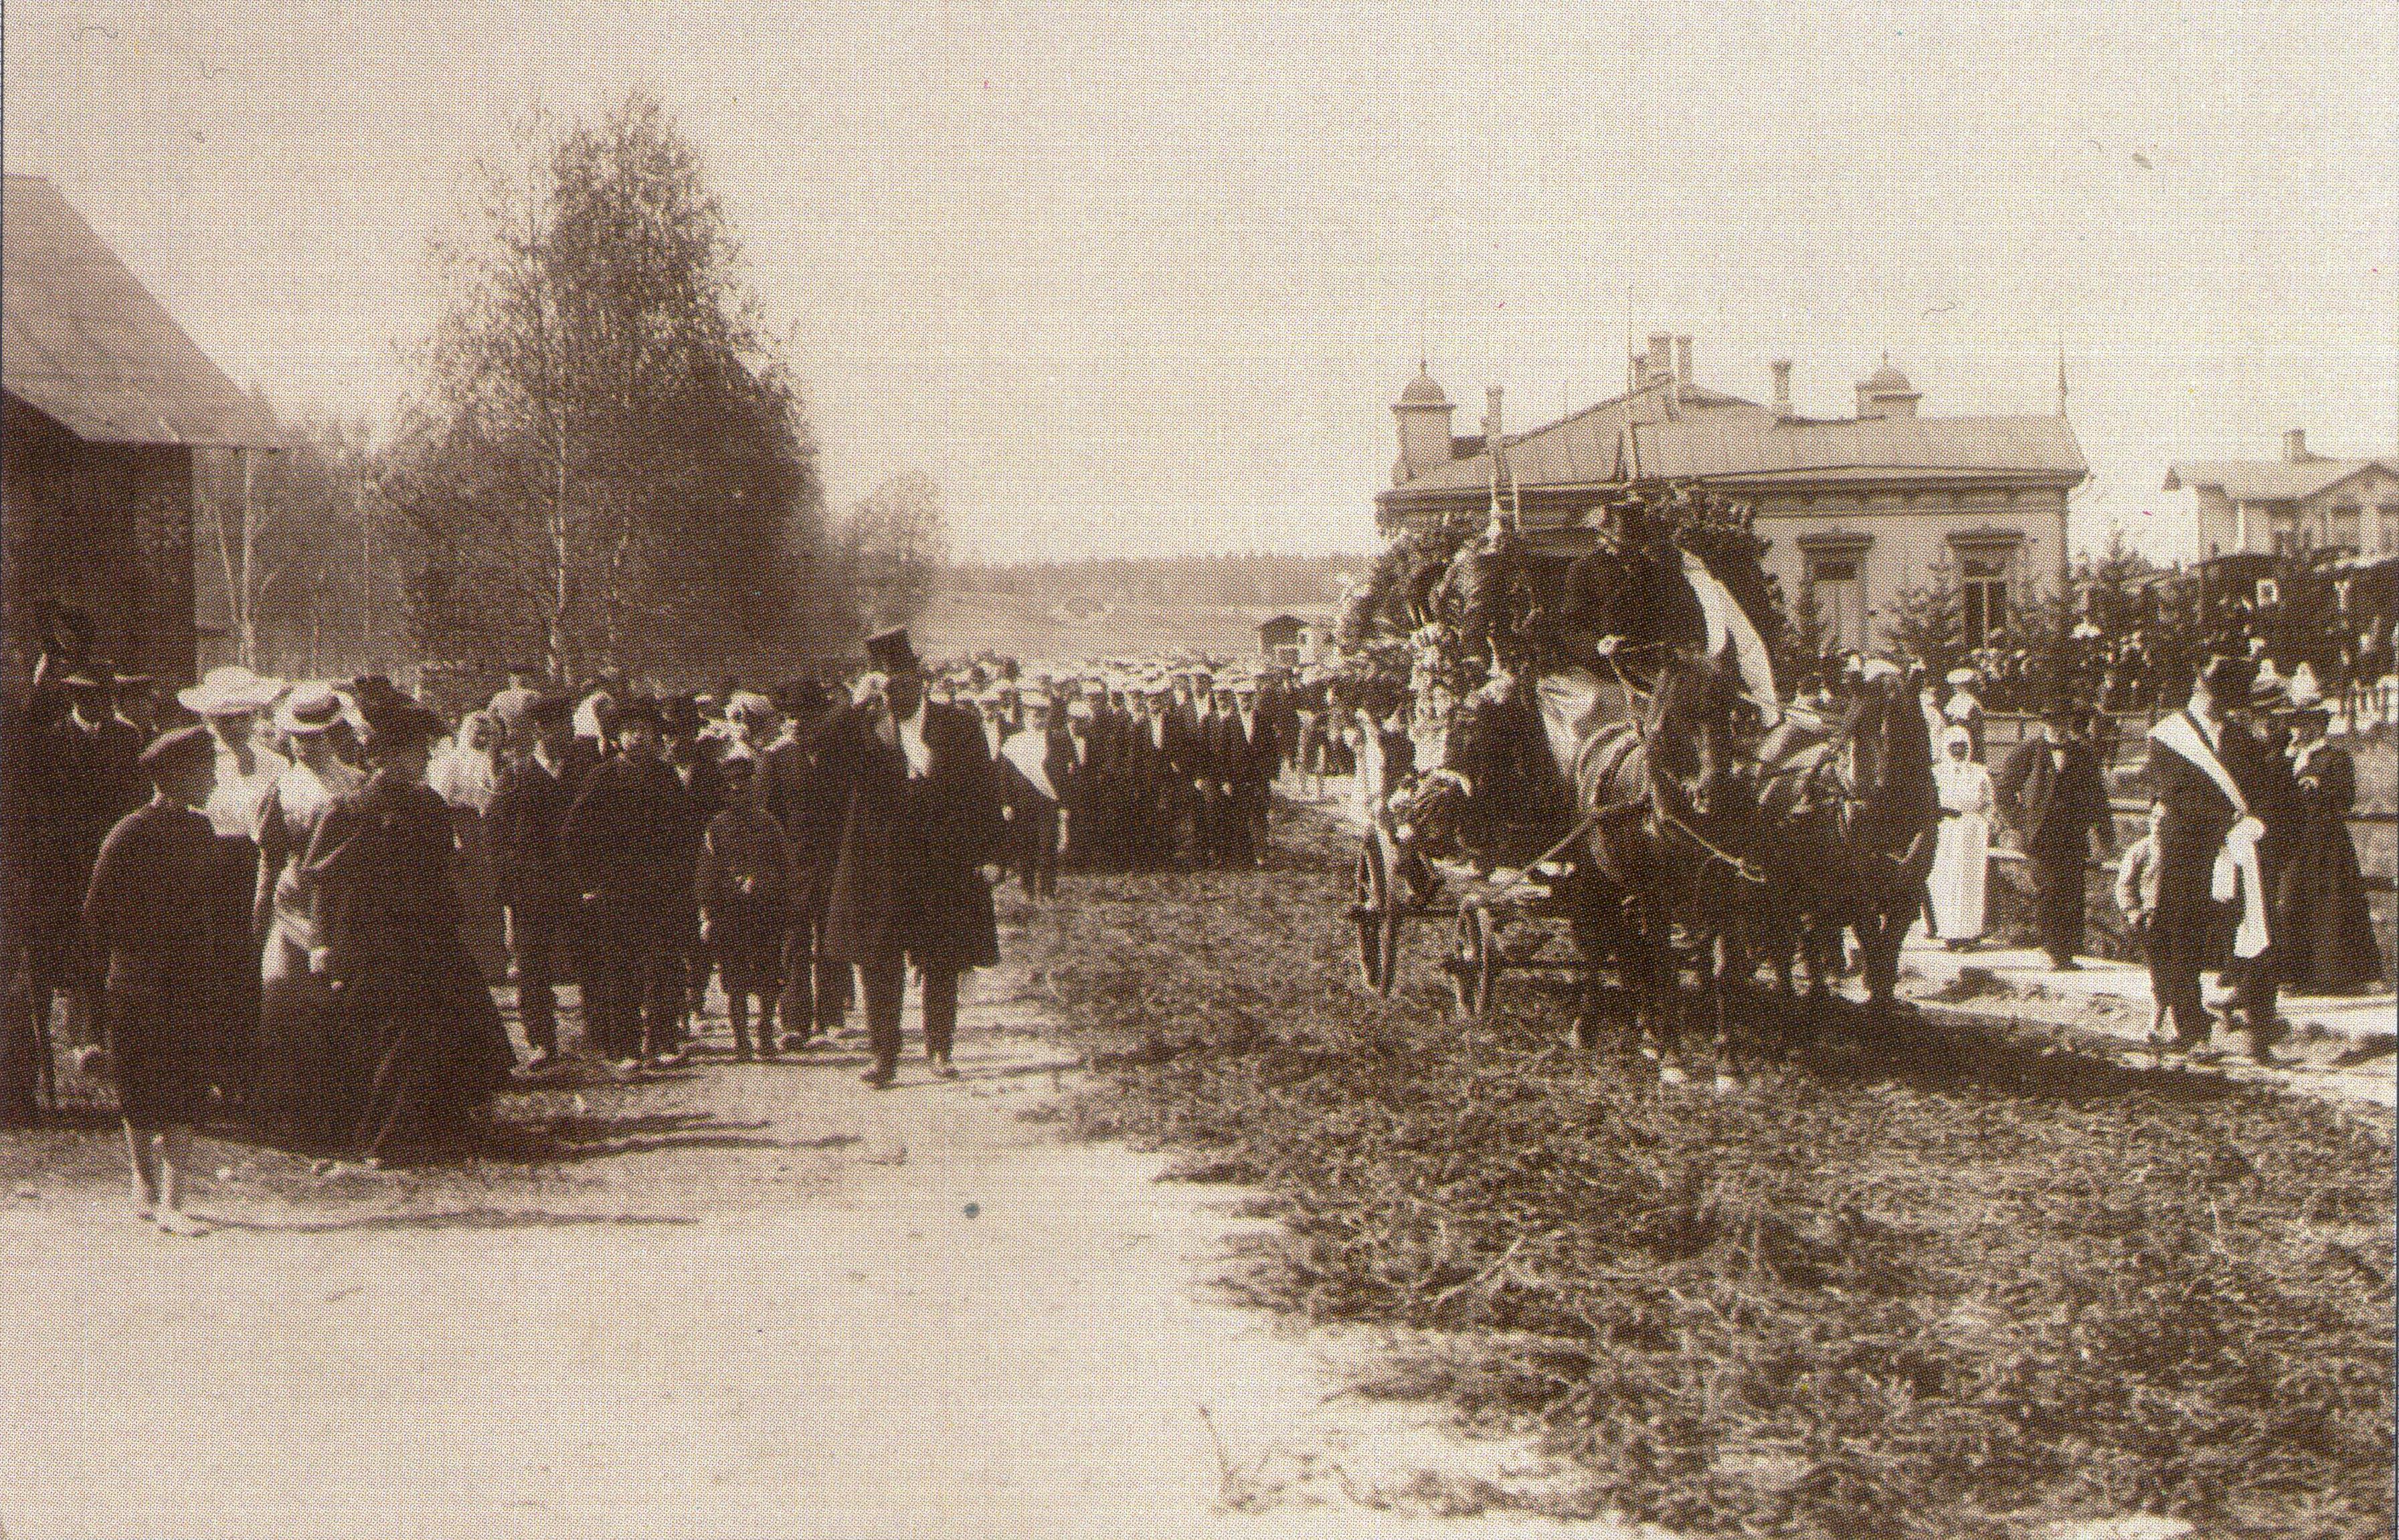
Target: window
(2387, 514)
(1840, 598)
(1983, 585)
(2345, 528)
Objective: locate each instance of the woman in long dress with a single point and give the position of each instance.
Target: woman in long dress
(1961, 855)
(2324, 932)
(294, 1071)
(428, 1046)
(466, 774)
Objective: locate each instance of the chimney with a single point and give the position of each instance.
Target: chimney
(1682, 360)
(1492, 431)
(2295, 446)
(1782, 389)
(1662, 359)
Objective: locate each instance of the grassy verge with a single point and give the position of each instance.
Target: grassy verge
(1936, 1284)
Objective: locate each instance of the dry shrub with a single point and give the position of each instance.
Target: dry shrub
(1927, 1282)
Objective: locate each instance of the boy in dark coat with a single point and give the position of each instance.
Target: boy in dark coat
(145, 914)
(743, 883)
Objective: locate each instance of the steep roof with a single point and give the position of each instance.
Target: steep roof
(84, 344)
(2268, 481)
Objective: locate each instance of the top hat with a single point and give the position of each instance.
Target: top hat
(890, 650)
(637, 708)
(172, 753)
(550, 706)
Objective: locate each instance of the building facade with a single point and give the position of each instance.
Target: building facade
(1857, 511)
(2300, 502)
(105, 405)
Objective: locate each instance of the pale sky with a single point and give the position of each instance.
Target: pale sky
(1130, 278)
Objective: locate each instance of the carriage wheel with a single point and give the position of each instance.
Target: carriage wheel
(1375, 909)
(1474, 964)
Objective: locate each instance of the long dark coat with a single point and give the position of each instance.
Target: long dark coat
(907, 874)
(795, 790)
(2055, 809)
(148, 918)
(2324, 933)
(2196, 819)
(425, 1043)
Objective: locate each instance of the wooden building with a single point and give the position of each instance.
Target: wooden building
(1856, 510)
(107, 406)
(2302, 502)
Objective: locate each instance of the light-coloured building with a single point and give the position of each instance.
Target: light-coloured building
(2300, 502)
(1855, 510)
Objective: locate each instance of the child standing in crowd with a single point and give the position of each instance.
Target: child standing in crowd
(743, 885)
(2136, 894)
(145, 915)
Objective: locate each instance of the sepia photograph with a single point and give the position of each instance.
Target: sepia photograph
(1266, 769)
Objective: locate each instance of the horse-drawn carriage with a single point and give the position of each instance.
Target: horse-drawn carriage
(1645, 799)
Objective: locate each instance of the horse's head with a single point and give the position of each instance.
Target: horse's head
(1888, 752)
(1688, 729)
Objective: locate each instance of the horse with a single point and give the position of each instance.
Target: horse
(1847, 831)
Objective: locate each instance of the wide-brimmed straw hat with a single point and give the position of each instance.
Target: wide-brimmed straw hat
(229, 691)
(309, 709)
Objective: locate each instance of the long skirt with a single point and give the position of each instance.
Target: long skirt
(298, 1079)
(430, 1046)
(1961, 865)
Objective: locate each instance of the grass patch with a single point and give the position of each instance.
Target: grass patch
(1938, 1284)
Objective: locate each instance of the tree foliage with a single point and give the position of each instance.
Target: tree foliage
(605, 461)
(893, 547)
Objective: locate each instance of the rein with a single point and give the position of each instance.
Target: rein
(1667, 815)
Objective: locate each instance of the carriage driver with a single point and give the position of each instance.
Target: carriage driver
(1637, 587)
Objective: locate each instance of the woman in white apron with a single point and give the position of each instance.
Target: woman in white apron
(1961, 855)
(298, 1071)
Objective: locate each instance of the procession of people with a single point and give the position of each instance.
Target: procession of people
(343, 874)
(347, 874)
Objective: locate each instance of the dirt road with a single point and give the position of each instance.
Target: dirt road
(752, 1301)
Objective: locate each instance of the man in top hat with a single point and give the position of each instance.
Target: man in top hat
(2205, 771)
(537, 885)
(164, 968)
(2051, 793)
(626, 838)
(920, 819)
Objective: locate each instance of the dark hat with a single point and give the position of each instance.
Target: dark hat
(680, 715)
(92, 674)
(172, 753)
(392, 719)
(634, 708)
(2228, 676)
(890, 650)
(550, 705)
(803, 698)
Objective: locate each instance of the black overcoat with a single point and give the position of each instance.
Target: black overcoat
(907, 869)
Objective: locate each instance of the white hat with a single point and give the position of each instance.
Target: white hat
(229, 691)
(1960, 676)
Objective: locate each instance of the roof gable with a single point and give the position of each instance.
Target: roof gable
(84, 344)
(2270, 480)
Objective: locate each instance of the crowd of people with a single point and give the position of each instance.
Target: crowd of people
(334, 875)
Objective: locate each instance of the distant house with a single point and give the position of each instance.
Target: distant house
(1855, 510)
(2300, 502)
(107, 403)
(1293, 640)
